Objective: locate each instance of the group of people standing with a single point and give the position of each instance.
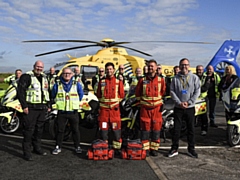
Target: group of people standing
(36, 92)
(150, 89)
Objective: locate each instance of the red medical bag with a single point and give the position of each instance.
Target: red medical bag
(100, 151)
(134, 150)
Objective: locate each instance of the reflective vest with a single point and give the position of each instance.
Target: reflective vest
(134, 83)
(217, 81)
(35, 94)
(10, 79)
(96, 84)
(109, 103)
(67, 101)
(148, 87)
(78, 78)
(202, 81)
(51, 81)
(126, 86)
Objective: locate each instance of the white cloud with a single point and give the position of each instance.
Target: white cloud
(4, 29)
(122, 20)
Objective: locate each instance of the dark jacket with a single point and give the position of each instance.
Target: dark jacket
(225, 83)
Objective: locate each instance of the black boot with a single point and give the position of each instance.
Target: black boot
(153, 153)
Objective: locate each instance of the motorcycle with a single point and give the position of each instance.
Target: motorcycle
(2, 92)
(231, 102)
(11, 110)
(129, 107)
(168, 115)
(130, 118)
(168, 119)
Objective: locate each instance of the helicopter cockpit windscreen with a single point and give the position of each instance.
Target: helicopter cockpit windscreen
(89, 71)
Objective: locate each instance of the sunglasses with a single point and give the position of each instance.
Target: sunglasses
(101, 71)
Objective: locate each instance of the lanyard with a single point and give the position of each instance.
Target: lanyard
(184, 84)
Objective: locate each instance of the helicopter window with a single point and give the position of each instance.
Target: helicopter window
(89, 71)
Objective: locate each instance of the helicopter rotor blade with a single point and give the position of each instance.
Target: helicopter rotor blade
(135, 50)
(186, 42)
(67, 49)
(77, 41)
(107, 44)
(117, 43)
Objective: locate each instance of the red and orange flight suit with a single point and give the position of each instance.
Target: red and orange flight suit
(110, 92)
(149, 92)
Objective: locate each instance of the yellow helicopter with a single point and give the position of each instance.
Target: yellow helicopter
(111, 51)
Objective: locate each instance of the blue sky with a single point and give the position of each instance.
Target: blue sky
(122, 20)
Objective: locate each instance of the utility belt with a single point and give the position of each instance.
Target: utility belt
(37, 106)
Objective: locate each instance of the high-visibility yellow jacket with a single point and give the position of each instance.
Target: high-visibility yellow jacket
(37, 93)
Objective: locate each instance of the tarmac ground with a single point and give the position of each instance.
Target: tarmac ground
(216, 159)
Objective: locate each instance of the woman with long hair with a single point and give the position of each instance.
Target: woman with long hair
(227, 79)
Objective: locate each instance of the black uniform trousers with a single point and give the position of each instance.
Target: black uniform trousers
(33, 124)
(73, 119)
(204, 120)
(179, 116)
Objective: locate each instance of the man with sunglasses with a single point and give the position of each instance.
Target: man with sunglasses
(67, 94)
(97, 78)
(159, 71)
(184, 90)
(122, 72)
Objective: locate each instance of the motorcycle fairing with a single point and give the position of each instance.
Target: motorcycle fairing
(7, 115)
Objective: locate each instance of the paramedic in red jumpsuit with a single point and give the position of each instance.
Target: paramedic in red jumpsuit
(110, 92)
(149, 92)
